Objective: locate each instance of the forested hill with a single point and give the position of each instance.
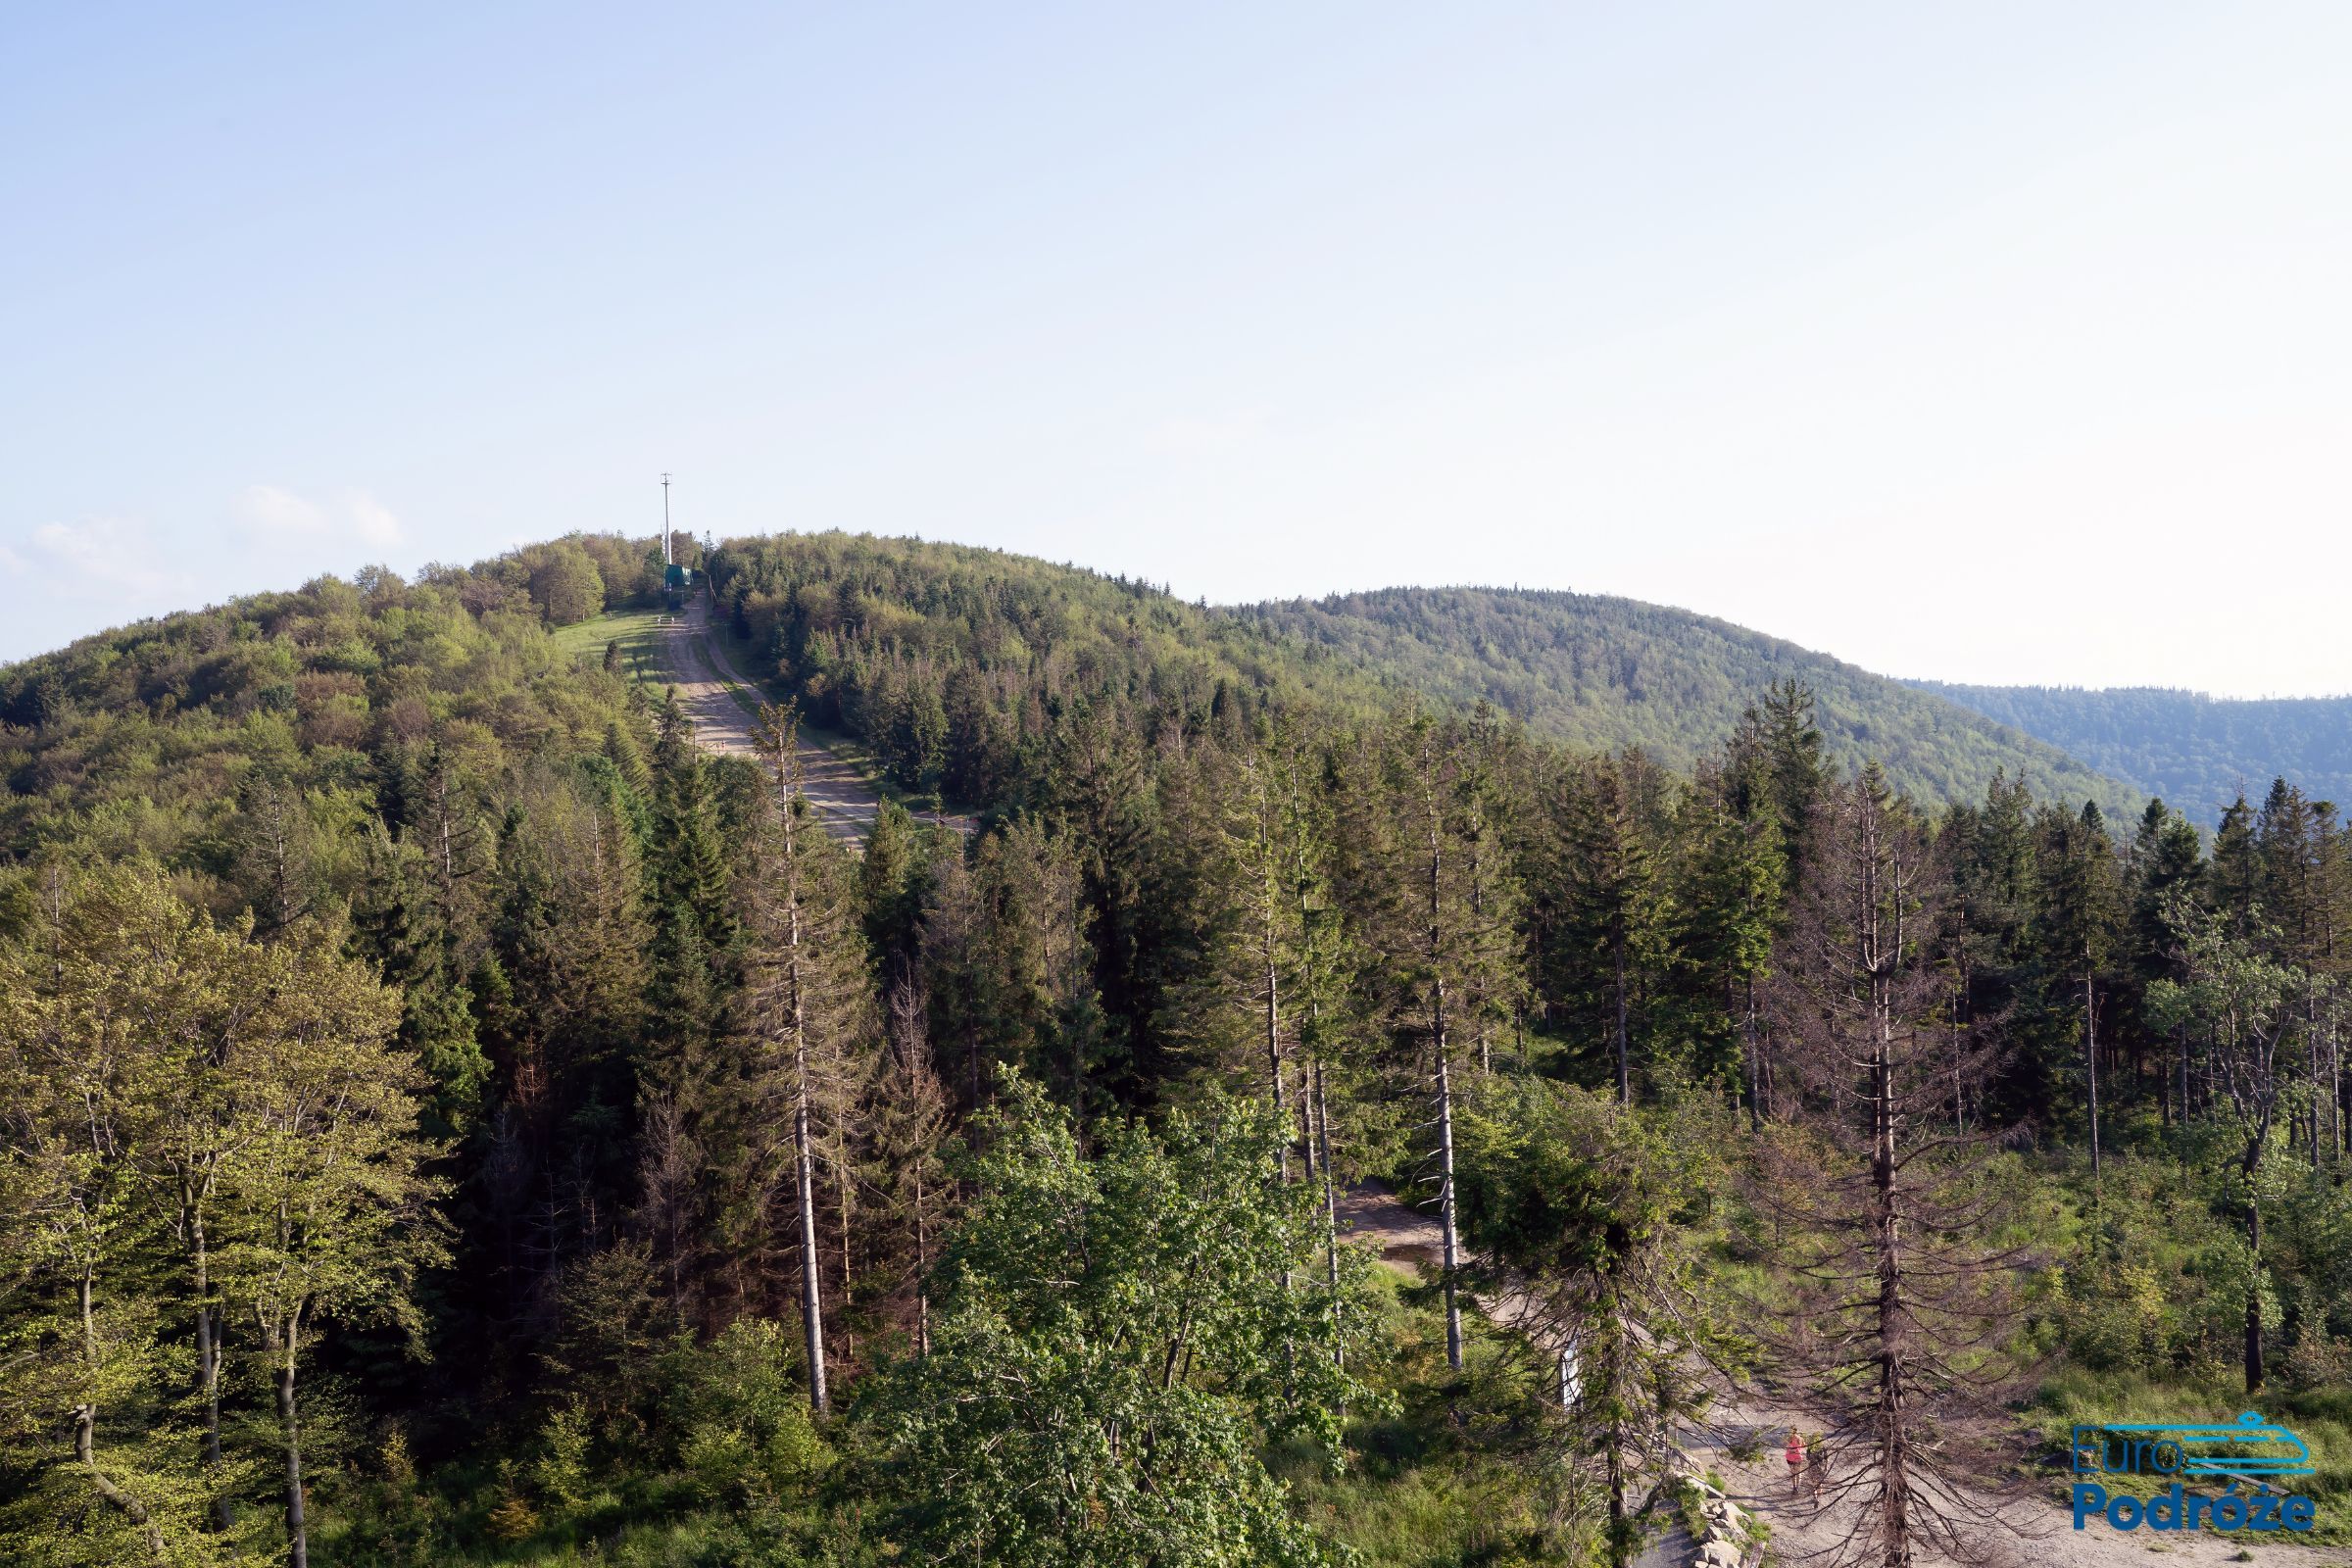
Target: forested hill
(1603, 673)
(2199, 752)
(449, 1114)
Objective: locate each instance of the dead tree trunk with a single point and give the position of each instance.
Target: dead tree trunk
(1331, 1216)
(1443, 1047)
(2091, 1062)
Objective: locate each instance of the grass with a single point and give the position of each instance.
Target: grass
(637, 631)
(1454, 1477)
(2073, 1396)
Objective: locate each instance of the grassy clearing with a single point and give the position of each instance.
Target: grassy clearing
(638, 633)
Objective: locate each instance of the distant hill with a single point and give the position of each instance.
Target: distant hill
(152, 731)
(1606, 673)
(2197, 751)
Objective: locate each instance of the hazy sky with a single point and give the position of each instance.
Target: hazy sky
(1991, 342)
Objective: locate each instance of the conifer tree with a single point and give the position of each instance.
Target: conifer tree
(2236, 876)
(1728, 895)
(1796, 768)
(1576, 1203)
(1611, 910)
(2292, 840)
(2082, 901)
(907, 1138)
(688, 863)
(440, 815)
(1271, 934)
(1445, 948)
(1031, 968)
(396, 925)
(806, 1014)
(2168, 866)
(1327, 958)
(1494, 981)
(892, 880)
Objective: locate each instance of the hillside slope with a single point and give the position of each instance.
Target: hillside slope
(923, 649)
(2197, 751)
(946, 658)
(1606, 672)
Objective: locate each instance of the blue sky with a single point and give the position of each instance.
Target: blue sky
(1999, 342)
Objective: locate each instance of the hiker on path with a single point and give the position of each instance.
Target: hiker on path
(1796, 1461)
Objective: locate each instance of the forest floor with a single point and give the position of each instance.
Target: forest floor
(1755, 1424)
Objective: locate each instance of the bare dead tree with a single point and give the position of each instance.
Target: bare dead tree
(1902, 1314)
(805, 1010)
(669, 1166)
(911, 1128)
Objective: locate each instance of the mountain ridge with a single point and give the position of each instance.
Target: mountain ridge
(2196, 750)
(1594, 671)
(1605, 672)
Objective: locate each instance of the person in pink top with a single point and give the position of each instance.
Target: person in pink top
(1796, 1461)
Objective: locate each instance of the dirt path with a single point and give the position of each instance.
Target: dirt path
(723, 723)
(844, 799)
(1409, 1240)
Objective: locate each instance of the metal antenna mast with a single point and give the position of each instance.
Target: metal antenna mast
(666, 561)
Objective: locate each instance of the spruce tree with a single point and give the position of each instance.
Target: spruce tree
(2081, 902)
(1445, 950)
(2168, 866)
(2236, 876)
(1578, 1206)
(1728, 895)
(1612, 911)
(807, 1018)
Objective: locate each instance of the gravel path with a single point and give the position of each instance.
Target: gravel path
(845, 799)
(1409, 1240)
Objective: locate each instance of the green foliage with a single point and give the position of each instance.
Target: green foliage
(194, 1119)
(2192, 749)
(1449, 1468)
(746, 1436)
(1584, 1210)
(576, 981)
(1605, 675)
(565, 583)
(1114, 1338)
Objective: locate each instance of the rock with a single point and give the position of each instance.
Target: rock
(1720, 1555)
